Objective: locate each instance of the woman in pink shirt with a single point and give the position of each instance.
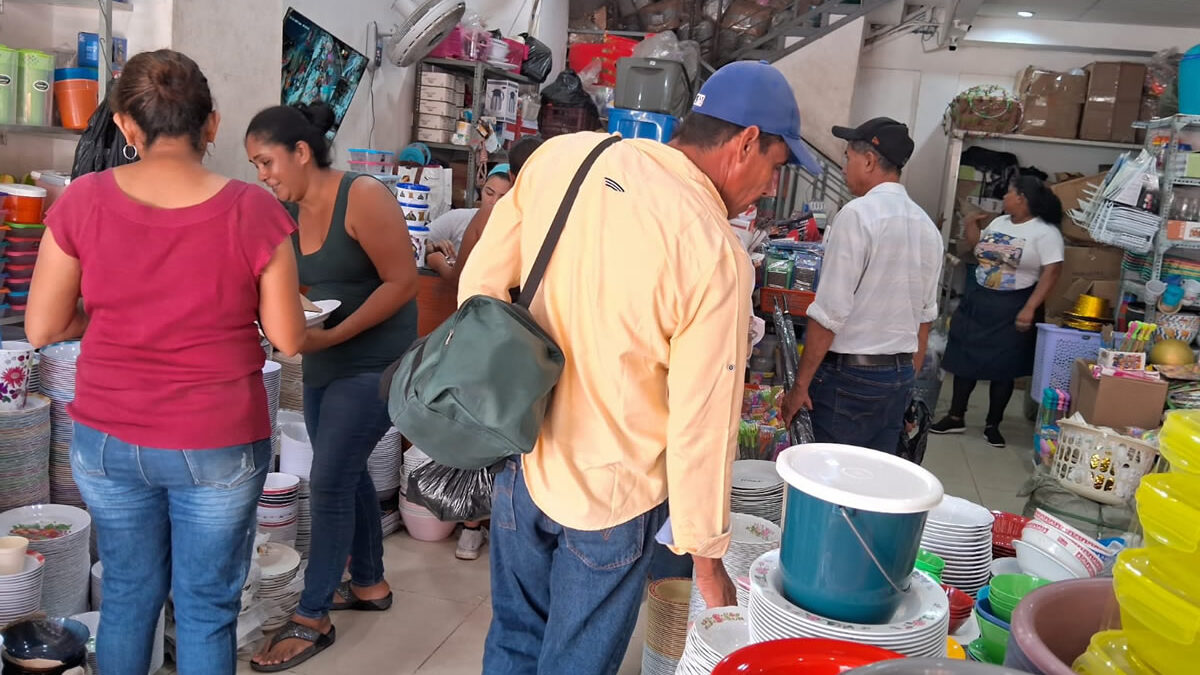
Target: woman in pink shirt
(172, 436)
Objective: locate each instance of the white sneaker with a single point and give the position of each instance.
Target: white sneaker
(469, 544)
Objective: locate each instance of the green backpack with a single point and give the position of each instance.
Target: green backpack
(476, 389)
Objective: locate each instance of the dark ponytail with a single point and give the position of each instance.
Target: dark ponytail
(1043, 203)
(166, 94)
(289, 125)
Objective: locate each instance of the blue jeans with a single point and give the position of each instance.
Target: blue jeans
(563, 600)
(345, 420)
(860, 405)
(180, 520)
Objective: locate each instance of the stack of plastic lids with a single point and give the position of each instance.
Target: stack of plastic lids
(1157, 586)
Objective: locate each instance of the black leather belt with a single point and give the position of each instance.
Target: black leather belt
(862, 360)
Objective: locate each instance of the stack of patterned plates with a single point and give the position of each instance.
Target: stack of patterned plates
(279, 586)
(960, 532)
(25, 454)
(750, 537)
(715, 634)
(918, 628)
(413, 459)
(389, 517)
(384, 464)
(60, 533)
(666, 626)
(21, 593)
(272, 374)
(35, 378)
(291, 385)
(757, 490)
(303, 520)
(278, 508)
(57, 371)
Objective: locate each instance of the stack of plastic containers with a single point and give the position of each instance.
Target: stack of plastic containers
(22, 207)
(1158, 587)
(77, 94)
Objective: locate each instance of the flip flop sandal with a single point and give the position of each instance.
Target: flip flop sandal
(344, 599)
(320, 641)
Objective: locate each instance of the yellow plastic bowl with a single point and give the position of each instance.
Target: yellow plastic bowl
(1169, 509)
(1179, 440)
(1159, 593)
(1109, 654)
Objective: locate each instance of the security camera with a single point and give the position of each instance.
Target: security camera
(955, 33)
(953, 44)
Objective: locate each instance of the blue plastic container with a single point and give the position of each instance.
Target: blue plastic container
(1189, 82)
(641, 124)
(61, 74)
(851, 529)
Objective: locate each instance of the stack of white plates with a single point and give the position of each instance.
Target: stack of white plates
(960, 532)
(666, 626)
(389, 520)
(384, 464)
(278, 508)
(97, 585)
(25, 454)
(21, 593)
(296, 453)
(757, 489)
(715, 634)
(291, 383)
(57, 372)
(750, 537)
(413, 459)
(278, 588)
(272, 374)
(918, 628)
(60, 533)
(303, 520)
(283, 417)
(35, 376)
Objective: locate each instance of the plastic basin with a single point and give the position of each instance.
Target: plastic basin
(1053, 625)
(801, 656)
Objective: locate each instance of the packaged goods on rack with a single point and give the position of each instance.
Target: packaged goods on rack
(793, 265)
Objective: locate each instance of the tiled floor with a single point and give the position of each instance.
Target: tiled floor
(438, 623)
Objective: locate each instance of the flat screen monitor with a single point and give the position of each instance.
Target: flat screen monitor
(318, 67)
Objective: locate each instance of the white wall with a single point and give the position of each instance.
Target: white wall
(901, 79)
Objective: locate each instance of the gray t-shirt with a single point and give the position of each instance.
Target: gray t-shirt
(451, 226)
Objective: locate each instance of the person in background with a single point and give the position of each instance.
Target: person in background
(446, 232)
(172, 437)
(648, 294)
(352, 246)
(991, 334)
(877, 298)
(517, 156)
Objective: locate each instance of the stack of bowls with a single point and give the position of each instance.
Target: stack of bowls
(1007, 590)
(61, 534)
(715, 634)
(278, 508)
(1051, 549)
(21, 593)
(931, 564)
(960, 532)
(421, 524)
(383, 464)
(1109, 653)
(993, 633)
(1005, 530)
(279, 585)
(961, 606)
(1159, 594)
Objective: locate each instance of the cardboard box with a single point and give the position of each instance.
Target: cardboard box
(1071, 193)
(439, 108)
(434, 135)
(1086, 269)
(1116, 401)
(1052, 102)
(1114, 101)
(1180, 230)
(500, 100)
(437, 122)
(443, 95)
(443, 80)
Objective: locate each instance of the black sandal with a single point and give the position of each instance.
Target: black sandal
(345, 599)
(320, 641)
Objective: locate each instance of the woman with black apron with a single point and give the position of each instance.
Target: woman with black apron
(991, 335)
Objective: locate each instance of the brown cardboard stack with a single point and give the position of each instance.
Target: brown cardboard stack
(1095, 270)
(1110, 401)
(1051, 102)
(1114, 101)
(1072, 193)
(439, 107)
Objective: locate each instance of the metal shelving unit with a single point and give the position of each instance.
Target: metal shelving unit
(479, 73)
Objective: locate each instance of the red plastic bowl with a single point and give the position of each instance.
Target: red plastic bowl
(801, 656)
(1006, 528)
(961, 605)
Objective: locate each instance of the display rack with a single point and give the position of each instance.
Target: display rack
(1174, 126)
(479, 73)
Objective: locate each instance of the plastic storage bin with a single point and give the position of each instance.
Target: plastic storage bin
(35, 96)
(641, 124)
(556, 120)
(1189, 82)
(614, 48)
(652, 85)
(1159, 593)
(76, 95)
(1057, 349)
(8, 95)
(1105, 467)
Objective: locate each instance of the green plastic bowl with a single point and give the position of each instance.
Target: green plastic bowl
(1009, 589)
(930, 563)
(992, 634)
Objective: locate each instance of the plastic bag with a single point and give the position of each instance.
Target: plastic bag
(666, 46)
(567, 91)
(915, 434)
(540, 61)
(452, 495)
(102, 145)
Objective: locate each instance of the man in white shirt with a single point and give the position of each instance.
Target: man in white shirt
(876, 298)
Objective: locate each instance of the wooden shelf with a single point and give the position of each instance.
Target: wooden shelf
(81, 4)
(1022, 138)
(54, 132)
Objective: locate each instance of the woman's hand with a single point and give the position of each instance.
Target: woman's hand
(319, 339)
(1025, 319)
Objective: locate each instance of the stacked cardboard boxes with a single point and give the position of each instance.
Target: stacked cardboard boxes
(1114, 101)
(440, 106)
(1052, 103)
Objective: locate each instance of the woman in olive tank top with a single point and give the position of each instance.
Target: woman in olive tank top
(352, 246)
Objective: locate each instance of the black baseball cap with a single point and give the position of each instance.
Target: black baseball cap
(889, 138)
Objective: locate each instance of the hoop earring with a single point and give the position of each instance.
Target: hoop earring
(125, 152)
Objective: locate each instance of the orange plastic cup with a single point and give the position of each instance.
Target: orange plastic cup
(77, 100)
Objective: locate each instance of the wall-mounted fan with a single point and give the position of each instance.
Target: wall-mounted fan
(425, 24)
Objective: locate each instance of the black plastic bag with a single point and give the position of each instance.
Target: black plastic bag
(540, 60)
(566, 91)
(915, 434)
(102, 145)
(452, 495)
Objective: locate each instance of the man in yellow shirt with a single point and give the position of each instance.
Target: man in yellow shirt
(648, 295)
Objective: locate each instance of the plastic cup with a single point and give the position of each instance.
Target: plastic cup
(76, 100)
(12, 554)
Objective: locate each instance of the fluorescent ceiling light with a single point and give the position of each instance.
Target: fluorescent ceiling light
(1025, 14)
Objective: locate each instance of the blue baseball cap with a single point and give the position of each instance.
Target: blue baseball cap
(756, 94)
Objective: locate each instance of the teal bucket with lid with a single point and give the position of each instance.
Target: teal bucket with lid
(852, 528)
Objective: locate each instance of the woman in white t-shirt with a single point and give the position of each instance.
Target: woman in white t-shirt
(991, 335)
